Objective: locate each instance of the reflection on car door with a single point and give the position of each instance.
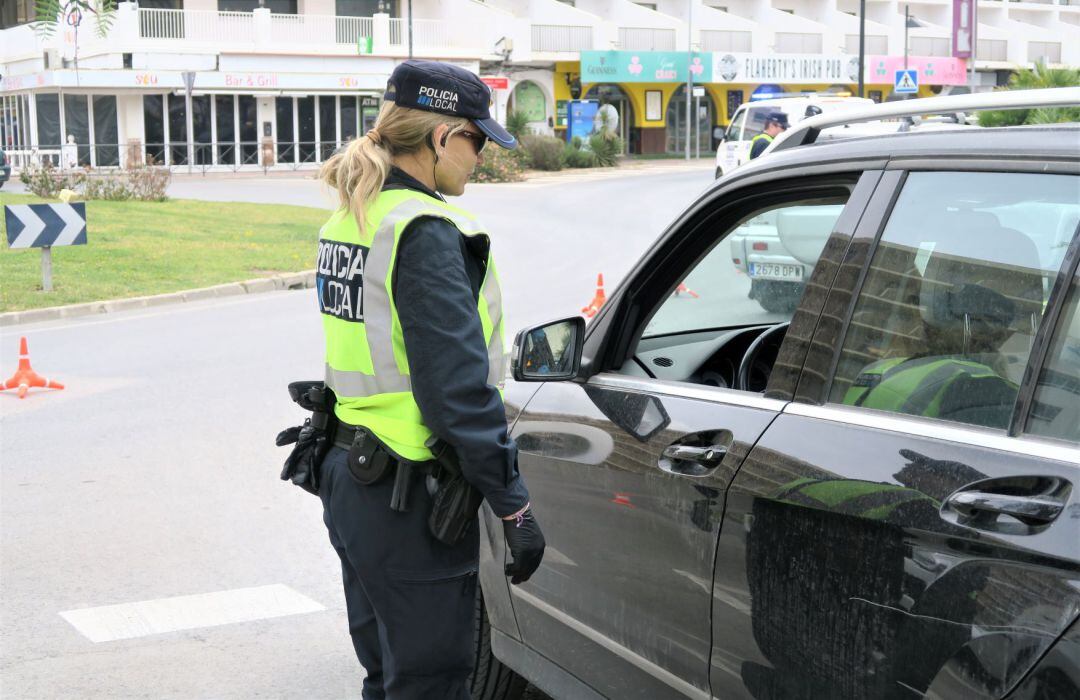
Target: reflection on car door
(908, 539)
(622, 597)
(628, 476)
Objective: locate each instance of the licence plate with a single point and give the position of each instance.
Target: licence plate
(776, 271)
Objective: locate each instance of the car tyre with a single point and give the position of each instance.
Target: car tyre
(491, 679)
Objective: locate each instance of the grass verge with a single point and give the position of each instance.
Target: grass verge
(141, 248)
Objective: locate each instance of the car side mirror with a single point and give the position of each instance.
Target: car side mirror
(550, 352)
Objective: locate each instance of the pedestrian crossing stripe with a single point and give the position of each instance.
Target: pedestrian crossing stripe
(906, 81)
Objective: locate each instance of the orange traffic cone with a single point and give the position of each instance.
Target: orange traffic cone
(25, 377)
(598, 300)
(683, 289)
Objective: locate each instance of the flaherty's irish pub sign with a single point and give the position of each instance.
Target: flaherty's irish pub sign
(725, 67)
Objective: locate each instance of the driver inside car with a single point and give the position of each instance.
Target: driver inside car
(970, 311)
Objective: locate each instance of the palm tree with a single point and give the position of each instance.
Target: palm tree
(1040, 77)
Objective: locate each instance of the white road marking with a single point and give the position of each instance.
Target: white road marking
(129, 620)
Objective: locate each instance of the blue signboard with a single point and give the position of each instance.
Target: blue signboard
(581, 114)
(907, 81)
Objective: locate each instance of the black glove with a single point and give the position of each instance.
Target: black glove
(526, 544)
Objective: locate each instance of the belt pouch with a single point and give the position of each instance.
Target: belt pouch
(368, 461)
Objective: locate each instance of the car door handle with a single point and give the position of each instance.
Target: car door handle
(710, 456)
(1041, 509)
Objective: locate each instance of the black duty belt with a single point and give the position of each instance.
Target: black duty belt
(344, 434)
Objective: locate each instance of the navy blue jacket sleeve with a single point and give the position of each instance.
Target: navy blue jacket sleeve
(444, 341)
(758, 148)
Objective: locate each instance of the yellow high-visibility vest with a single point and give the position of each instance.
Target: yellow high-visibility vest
(366, 364)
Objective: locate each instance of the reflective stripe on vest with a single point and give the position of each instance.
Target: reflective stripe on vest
(914, 387)
(366, 364)
(758, 138)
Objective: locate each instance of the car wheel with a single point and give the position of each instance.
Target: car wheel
(491, 679)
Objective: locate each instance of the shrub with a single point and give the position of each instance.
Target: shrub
(578, 157)
(46, 180)
(545, 152)
(517, 123)
(148, 183)
(607, 149)
(499, 165)
(140, 182)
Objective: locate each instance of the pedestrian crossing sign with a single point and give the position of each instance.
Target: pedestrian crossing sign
(907, 81)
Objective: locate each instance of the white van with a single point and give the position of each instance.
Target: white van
(749, 121)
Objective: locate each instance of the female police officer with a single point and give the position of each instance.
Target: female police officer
(412, 314)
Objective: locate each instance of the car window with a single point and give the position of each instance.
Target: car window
(955, 292)
(736, 125)
(755, 274)
(1055, 409)
(755, 121)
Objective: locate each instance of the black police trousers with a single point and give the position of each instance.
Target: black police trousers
(410, 598)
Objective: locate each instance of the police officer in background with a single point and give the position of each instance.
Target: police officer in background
(775, 123)
(415, 355)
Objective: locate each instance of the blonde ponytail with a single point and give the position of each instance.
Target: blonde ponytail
(359, 172)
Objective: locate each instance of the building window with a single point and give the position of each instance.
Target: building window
(1044, 51)
(712, 40)
(287, 7)
(790, 42)
(106, 138)
(48, 121)
(876, 45)
(286, 139)
(992, 50)
(249, 129)
(177, 130)
(328, 141)
(16, 12)
(347, 115)
(929, 46)
(154, 128)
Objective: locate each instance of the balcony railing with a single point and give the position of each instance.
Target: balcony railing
(197, 25)
(286, 30)
(645, 39)
(552, 38)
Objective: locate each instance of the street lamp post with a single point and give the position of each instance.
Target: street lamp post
(862, 44)
(689, 62)
(907, 26)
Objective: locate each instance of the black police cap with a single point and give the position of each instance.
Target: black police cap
(446, 89)
(778, 117)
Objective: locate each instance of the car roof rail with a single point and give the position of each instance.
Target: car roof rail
(807, 131)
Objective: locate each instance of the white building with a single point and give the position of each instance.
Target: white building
(286, 84)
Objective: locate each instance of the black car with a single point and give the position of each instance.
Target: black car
(872, 496)
(5, 168)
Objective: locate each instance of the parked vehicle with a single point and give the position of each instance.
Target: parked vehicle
(873, 494)
(5, 168)
(749, 121)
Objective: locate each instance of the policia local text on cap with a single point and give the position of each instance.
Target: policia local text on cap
(408, 432)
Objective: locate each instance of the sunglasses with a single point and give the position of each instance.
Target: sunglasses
(479, 141)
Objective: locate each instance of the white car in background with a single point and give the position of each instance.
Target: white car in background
(749, 121)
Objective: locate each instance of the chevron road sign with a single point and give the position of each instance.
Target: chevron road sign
(44, 226)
